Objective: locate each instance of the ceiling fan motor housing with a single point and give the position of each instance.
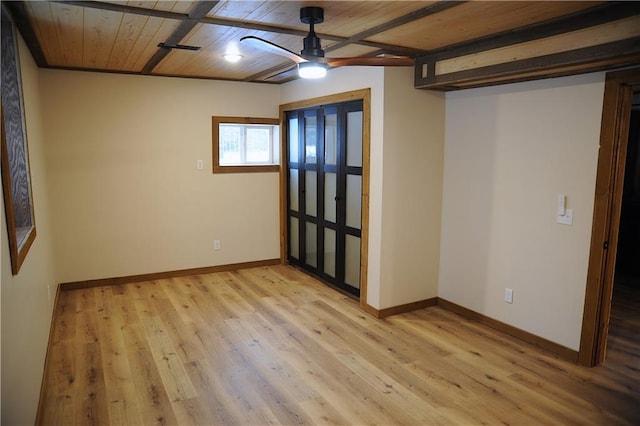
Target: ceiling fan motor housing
(312, 15)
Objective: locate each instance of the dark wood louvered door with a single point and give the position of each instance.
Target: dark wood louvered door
(324, 211)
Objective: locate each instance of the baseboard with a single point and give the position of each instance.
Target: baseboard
(39, 412)
(400, 309)
(164, 275)
(542, 343)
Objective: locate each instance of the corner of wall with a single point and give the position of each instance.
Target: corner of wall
(27, 298)
(510, 150)
(412, 186)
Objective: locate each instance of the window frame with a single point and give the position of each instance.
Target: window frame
(16, 172)
(244, 168)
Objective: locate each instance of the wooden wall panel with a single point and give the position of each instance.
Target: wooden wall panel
(592, 36)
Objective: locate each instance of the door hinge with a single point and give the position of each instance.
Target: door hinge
(605, 245)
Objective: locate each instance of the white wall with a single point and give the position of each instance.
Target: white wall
(126, 196)
(27, 298)
(412, 188)
(509, 151)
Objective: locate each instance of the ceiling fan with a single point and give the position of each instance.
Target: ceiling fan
(311, 61)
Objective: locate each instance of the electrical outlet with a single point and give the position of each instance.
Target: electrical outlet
(508, 295)
(216, 245)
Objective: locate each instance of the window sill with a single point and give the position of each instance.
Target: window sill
(246, 169)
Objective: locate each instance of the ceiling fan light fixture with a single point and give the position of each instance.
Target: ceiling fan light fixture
(232, 57)
(312, 70)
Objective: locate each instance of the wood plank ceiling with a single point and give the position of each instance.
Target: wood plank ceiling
(455, 43)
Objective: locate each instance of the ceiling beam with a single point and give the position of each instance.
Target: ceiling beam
(197, 12)
(18, 12)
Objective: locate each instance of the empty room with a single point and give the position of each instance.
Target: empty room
(331, 212)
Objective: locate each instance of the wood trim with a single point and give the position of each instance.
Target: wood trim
(365, 96)
(168, 274)
(401, 309)
(614, 54)
(542, 343)
(215, 139)
(328, 99)
(366, 191)
(18, 253)
(284, 232)
(246, 169)
(370, 310)
(21, 20)
(43, 390)
(606, 214)
(556, 72)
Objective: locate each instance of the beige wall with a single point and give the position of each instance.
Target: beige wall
(27, 298)
(126, 196)
(412, 188)
(509, 151)
(407, 136)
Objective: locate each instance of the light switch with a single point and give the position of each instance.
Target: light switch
(567, 218)
(199, 164)
(562, 200)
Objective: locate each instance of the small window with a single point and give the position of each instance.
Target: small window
(16, 178)
(243, 144)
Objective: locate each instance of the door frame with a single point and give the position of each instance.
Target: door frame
(614, 133)
(365, 96)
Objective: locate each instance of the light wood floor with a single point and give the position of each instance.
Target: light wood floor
(273, 346)
(623, 346)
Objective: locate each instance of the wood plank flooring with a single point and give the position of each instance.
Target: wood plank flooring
(273, 346)
(623, 346)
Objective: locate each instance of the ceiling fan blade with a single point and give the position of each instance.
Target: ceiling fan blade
(287, 74)
(375, 61)
(267, 46)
